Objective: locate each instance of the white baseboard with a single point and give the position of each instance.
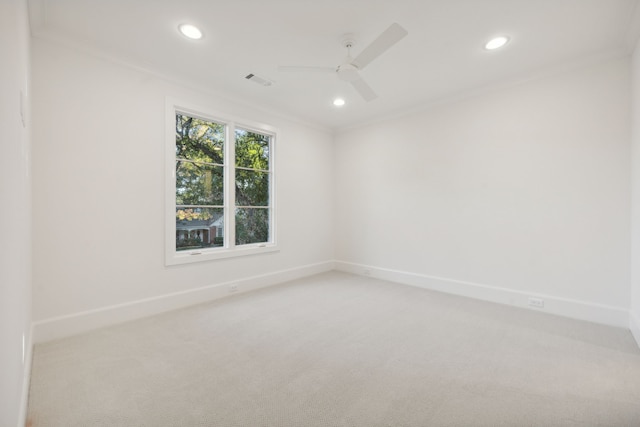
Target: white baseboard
(597, 313)
(634, 325)
(76, 323)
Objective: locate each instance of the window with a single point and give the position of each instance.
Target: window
(220, 186)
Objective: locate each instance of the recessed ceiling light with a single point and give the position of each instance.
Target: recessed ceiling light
(496, 42)
(338, 102)
(190, 31)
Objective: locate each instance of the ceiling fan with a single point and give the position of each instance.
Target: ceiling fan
(349, 69)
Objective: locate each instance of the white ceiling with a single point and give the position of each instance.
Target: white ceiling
(441, 58)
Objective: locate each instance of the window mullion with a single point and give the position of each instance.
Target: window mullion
(230, 186)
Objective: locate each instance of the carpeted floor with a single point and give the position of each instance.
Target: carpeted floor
(340, 350)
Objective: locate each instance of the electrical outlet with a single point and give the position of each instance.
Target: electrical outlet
(536, 302)
(233, 288)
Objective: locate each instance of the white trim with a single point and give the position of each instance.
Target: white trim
(468, 94)
(26, 379)
(634, 326)
(76, 323)
(229, 250)
(40, 32)
(195, 255)
(575, 309)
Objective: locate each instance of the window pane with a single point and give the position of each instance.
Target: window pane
(199, 184)
(252, 150)
(199, 228)
(199, 140)
(252, 188)
(252, 225)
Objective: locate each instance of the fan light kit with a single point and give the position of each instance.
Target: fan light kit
(496, 43)
(190, 31)
(349, 69)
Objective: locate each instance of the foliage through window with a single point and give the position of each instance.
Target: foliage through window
(199, 183)
(223, 185)
(252, 187)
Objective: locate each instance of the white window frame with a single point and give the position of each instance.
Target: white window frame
(230, 249)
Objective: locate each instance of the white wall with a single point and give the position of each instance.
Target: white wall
(520, 192)
(523, 191)
(15, 212)
(99, 196)
(635, 195)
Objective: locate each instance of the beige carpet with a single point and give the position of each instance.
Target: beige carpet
(340, 350)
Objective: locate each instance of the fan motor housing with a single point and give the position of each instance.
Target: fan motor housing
(348, 72)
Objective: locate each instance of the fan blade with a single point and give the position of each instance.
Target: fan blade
(286, 68)
(388, 38)
(364, 90)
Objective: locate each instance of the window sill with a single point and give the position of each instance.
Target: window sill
(188, 257)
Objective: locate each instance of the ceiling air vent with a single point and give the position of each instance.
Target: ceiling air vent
(258, 80)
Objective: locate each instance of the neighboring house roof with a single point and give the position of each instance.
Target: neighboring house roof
(215, 221)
